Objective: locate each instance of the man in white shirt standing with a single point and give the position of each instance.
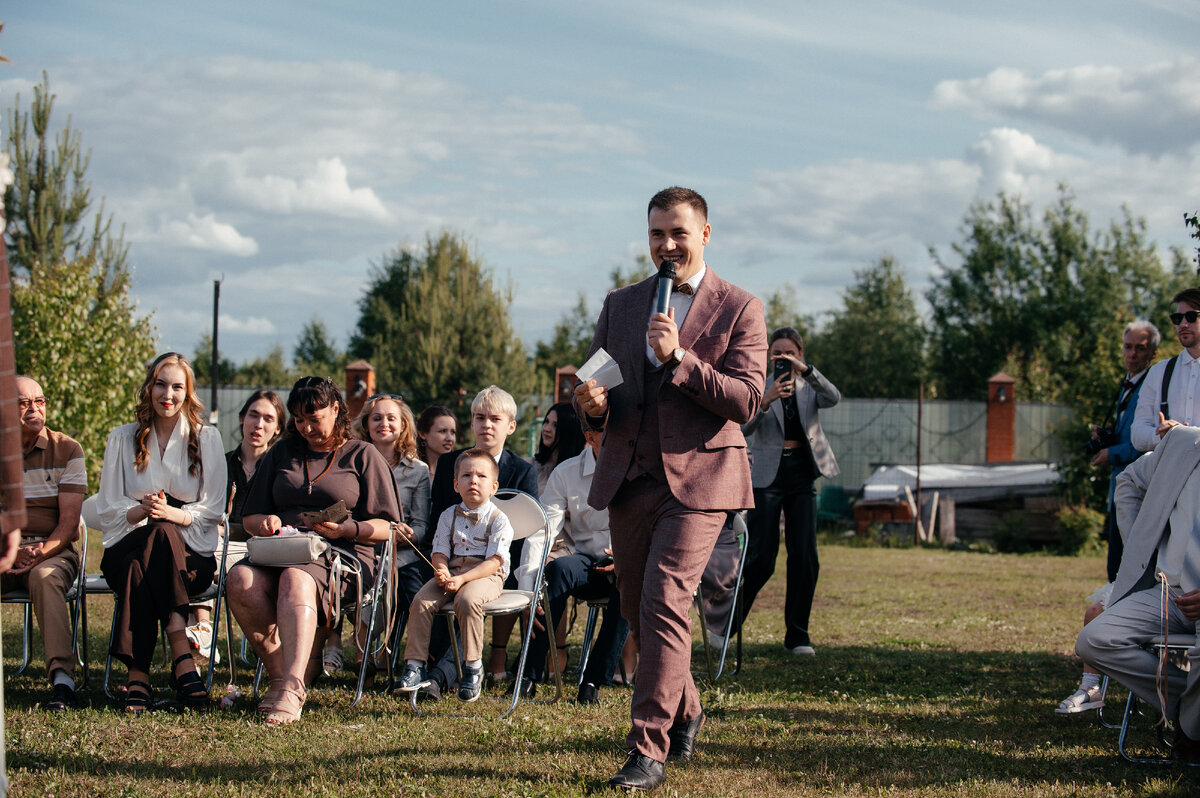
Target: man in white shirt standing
(1180, 376)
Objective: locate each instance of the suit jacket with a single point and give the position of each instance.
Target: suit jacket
(717, 387)
(1146, 494)
(813, 391)
(514, 473)
(1124, 452)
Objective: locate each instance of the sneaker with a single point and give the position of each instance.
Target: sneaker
(61, 699)
(470, 684)
(200, 636)
(802, 651)
(1081, 701)
(331, 659)
(412, 679)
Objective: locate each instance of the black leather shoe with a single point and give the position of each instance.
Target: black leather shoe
(640, 773)
(528, 687)
(683, 738)
(1184, 749)
(61, 699)
(588, 694)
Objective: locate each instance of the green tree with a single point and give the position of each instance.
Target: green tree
(76, 329)
(270, 371)
(49, 201)
(202, 364)
(316, 353)
(85, 344)
(780, 309)
(874, 345)
(569, 344)
(436, 327)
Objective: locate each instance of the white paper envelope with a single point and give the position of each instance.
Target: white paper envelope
(601, 368)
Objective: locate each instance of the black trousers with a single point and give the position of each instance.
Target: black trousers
(153, 572)
(792, 494)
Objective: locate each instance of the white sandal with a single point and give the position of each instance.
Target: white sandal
(1081, 701)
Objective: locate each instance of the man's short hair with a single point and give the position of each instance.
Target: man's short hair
(790, 333)
(495, 400)
(668, 198)
(1188, 295)
(466, 455)
(1142, 325)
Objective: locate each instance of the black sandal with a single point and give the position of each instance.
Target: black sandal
(138, 698)
(189, 687)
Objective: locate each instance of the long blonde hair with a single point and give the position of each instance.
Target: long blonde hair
(406, 441)
(192, 408)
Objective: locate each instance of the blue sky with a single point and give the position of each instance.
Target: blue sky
(285, 147)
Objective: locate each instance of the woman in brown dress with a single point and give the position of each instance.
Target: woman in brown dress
(314, 466)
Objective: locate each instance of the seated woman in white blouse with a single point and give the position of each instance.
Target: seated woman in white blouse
(162, 493)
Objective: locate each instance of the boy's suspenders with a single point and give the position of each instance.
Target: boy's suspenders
(1163, 406)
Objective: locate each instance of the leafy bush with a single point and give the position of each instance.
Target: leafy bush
(1079, 529)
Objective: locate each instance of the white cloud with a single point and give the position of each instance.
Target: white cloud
(203, 232)
(1153, 109)
(325, 191)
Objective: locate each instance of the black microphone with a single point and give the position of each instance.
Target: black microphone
(666, 281)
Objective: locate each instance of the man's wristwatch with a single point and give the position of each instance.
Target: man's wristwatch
(677, 356)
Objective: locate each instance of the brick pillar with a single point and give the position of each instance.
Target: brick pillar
(360, 385)
(1001, 419)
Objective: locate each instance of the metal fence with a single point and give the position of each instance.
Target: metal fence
(229, 401)
(865, 433)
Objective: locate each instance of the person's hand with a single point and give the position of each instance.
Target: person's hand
(605, 569)
(402, 530)
(1101, 458)
(1189, 605)
(452, 584)
(663, 335)
(539, 614)
(156, 507)
(27, 557)
(1165, 424)
(442, 574)
(12, 542)
(592, 398)
(330, 529)
(778, 390)
(270, 525)
(797, 361)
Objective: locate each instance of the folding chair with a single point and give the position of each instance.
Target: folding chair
(594, 607)
(214, 592)
(1176, 647)
(528, 518)
(21, 596)
(378, 603)
(733, 535)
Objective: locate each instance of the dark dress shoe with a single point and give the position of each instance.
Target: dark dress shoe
(588, 694)
(683, 738)
(61, 699)
(640, 773)
(528, 687)
(1184, 749)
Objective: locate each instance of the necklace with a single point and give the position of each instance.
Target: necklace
(308, 483)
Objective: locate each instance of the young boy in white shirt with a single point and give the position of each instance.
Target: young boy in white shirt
(470, 562)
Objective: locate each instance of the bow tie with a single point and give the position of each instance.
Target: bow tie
(682, 288)
(473, 517)
(1126, 386)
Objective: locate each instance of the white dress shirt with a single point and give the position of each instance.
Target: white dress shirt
(122, 486)
(682, 303)
(1182, 395)
(457, 536)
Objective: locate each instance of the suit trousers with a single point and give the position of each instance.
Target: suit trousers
(793, 494)
(48, 583)
(152, 572)
(660, 549)
(1115, 643)
(468, 611)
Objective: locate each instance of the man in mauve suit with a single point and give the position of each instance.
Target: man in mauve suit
(1158, 510)
(673, 462)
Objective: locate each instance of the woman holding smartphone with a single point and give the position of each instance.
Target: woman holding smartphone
(789, 452)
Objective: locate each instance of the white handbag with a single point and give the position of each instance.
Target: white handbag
(299, 549)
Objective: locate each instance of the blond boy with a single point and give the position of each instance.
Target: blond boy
(470, 562)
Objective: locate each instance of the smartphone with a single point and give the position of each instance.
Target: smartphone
(783, 369)
(603, 562)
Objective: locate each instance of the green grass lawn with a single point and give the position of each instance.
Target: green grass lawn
(936, 675)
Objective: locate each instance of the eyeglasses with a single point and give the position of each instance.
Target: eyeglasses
(25, 404)
(395, 396)
(1191, 316)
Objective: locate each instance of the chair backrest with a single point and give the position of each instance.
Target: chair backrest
(523, 511)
